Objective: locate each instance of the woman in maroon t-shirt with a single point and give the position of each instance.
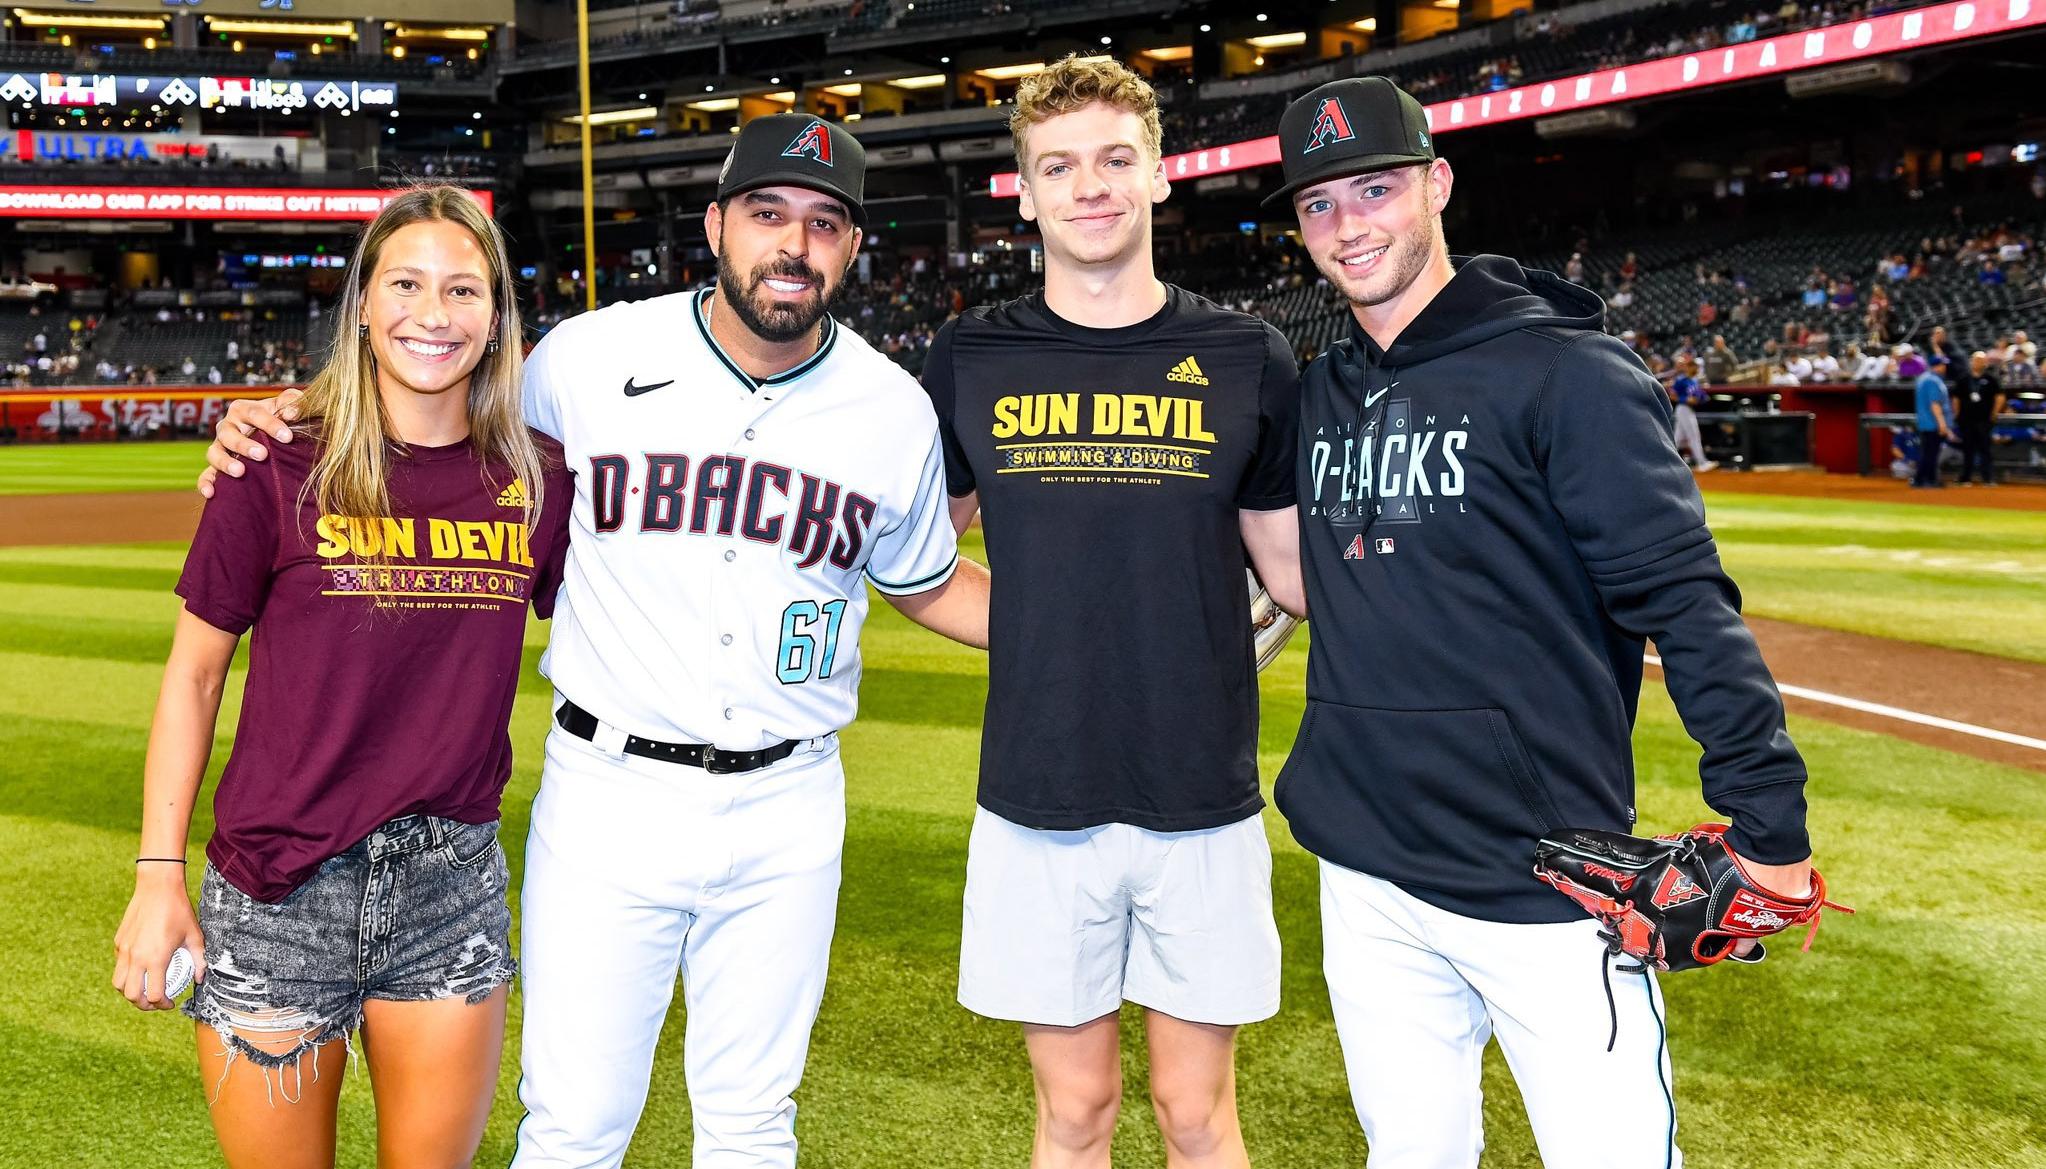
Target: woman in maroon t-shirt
(385, 566)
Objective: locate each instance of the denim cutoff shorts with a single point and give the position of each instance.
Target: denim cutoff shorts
(413, 913)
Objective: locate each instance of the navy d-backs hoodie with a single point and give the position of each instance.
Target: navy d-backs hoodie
(1494, 518)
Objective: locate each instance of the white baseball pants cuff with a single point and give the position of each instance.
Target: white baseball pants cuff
(1417, 993)
(637, 869)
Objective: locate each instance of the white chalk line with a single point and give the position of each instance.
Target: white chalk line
(1898, 713)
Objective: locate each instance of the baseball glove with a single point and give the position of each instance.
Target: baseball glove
(1270, 626)
(1674, 902)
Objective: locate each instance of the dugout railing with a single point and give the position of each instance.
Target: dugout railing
(1751, 440)
(2019, 448)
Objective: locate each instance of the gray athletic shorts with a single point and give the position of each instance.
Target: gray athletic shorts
(415, 912)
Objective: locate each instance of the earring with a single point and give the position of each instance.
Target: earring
(362, 332)
(490, 346)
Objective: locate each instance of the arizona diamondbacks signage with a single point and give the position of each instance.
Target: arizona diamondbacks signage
(96, 91)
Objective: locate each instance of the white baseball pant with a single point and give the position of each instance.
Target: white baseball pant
(1417, 993)
(1688, 436)
(636, 868)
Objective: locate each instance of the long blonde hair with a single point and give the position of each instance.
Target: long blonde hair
(352, 476)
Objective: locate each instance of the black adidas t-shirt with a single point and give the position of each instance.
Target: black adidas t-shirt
(1111, 464)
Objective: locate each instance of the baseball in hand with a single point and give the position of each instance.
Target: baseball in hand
(177, 976)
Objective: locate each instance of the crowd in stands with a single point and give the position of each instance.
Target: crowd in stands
(129, 346)
(1545, 48)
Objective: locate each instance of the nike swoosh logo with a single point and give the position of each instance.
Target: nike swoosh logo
(1370, 400)
(632, 391)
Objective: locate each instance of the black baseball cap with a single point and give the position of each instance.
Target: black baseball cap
(1350, 127)
(797, 150)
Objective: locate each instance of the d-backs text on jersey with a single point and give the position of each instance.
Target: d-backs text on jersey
(728, 495)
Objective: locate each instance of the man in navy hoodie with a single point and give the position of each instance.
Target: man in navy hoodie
(1494, 521)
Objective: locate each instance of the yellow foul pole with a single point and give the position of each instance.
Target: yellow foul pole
(582, 69)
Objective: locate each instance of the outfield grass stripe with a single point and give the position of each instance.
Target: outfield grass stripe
(155, 580)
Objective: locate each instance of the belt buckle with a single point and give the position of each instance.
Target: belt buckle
(717, 762)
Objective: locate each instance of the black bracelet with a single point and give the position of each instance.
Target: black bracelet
(162, 860)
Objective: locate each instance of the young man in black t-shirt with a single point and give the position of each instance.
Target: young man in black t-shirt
(1128, 443)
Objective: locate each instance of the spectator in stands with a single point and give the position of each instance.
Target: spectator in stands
(1935, 425)
(1708, 314)
(1797, 368)
(1720, 362)
(1623, 297)
(1825, 367)
(189, 368)
(1910, 364)
(1978, 399)
(1573, 269)
(1991, 273)
(1872, 365)
(1939, 342)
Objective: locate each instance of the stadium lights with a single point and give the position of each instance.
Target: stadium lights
(1448, 3)
(612, 117)
(61, 20)
(1368, 24)
(716, 105)
(339, 28)
(1207, 28)
(1012, 72)
(444, 34)
(849, 89)
(1170, 53)
(1279, 40)
(786, 97)
(923, 81)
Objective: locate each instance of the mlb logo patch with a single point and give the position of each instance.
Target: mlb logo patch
(1385, 546)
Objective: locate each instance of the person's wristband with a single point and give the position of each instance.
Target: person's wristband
(161, 860)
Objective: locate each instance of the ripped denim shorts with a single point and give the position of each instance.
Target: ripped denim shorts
(415, 912)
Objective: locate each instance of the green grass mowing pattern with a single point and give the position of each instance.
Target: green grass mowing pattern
(66, 468)
(1965, 578)
(1913, 1035)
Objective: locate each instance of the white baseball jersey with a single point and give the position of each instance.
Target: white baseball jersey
(723, 524)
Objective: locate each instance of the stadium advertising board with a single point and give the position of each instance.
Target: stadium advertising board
(132, 410)
(1897, 32)
(95, 91)
(34, 147)
(129, 201)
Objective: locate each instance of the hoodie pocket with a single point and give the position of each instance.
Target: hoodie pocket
(1444, 799)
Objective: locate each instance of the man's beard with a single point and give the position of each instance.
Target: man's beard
(1404, 262)
(780, 321)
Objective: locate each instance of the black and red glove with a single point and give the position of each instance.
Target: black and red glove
(1673, 902)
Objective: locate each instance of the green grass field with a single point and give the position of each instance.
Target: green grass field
(49, 469)
(1913, 1035)
(1966, 578)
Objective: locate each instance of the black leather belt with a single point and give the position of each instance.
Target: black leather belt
(583, 725)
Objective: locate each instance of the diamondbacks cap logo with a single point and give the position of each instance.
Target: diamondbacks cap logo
(1188, 371)
(813, 143)
(1331, 124)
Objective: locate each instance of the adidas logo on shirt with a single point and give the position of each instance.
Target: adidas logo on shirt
(515, 495)
(1188, 371)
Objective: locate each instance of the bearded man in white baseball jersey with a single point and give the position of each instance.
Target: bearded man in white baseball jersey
(743, 467)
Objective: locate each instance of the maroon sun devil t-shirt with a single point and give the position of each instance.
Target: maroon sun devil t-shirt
(385, 655)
